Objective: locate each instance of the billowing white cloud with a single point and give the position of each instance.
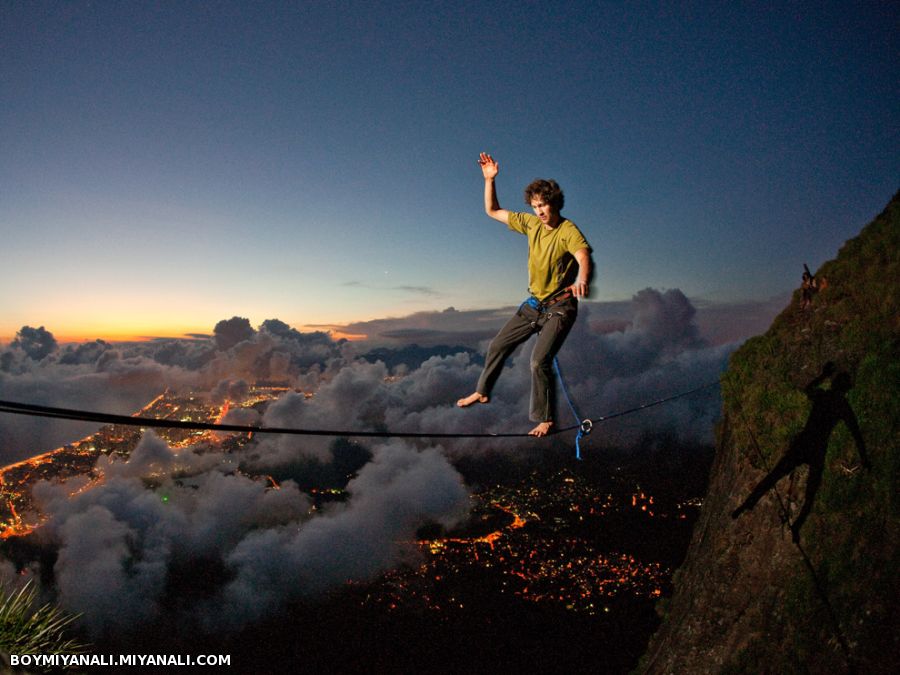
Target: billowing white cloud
(400, 490)
(119, 541)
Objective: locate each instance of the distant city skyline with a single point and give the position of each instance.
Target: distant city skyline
(168, 166)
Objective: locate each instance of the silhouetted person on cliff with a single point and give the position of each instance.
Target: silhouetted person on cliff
(809, 446)
(809, 287)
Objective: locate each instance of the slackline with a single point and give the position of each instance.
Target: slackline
(128, 420)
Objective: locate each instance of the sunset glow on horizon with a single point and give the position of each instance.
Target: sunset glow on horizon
(137, 335)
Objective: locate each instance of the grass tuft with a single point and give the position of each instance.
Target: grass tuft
(25, 630)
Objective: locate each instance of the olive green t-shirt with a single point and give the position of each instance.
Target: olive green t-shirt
(551, 253)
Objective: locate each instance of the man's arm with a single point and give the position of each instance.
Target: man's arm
(580, 287)
(490, 169)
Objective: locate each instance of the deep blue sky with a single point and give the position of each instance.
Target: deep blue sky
(165, 165)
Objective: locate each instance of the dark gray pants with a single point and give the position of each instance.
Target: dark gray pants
(552, 326)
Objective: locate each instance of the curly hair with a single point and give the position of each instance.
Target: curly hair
(548, 190)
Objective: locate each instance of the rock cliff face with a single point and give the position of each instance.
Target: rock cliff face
(749, 597)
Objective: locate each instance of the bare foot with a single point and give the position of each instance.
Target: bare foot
(541, 429)
(472, 398)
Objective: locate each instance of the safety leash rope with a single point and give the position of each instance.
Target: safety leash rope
(585, 426)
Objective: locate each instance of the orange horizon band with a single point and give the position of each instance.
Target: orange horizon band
(336, 333)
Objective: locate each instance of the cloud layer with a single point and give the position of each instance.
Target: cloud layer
(618, 355)
(126, 545)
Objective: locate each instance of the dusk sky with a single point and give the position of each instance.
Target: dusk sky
(167, 165)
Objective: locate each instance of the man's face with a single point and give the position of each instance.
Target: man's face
(548, 215)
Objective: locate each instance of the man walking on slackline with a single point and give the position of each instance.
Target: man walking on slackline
(559, 269)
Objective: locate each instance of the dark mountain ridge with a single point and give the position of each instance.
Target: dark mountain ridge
(802, 577)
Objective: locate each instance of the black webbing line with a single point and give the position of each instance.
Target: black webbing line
(127, 420)
(643, 406)
(33, 410)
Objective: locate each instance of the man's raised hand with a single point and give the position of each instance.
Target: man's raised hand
(489, 166)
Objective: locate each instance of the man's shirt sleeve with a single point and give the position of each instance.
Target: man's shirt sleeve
(575, 241)
(518, 222)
